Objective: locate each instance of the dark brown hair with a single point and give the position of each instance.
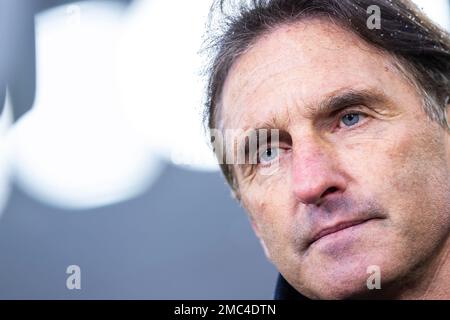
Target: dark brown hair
(420, 46)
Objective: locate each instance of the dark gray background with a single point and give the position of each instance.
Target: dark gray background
(183, 239)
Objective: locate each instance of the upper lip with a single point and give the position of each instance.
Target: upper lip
(336, 227)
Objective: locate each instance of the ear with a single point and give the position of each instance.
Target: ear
(260, 238)
(447, 102)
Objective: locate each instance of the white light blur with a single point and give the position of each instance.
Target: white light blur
(158, 68)
(437, 10)
(73, 149)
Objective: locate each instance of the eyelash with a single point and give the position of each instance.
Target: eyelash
(348, 112)
(281, 150)
(259, 155)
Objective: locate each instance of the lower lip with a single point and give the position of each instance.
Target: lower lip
(343, 238)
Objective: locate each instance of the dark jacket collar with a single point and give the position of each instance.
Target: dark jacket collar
(284, 291)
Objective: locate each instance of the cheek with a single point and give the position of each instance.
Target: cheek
(408, 172)
(270, 206)
(423, 178)
(394, 159)
(419, 166)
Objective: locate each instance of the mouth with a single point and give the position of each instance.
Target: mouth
(337, 228)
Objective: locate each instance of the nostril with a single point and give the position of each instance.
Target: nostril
(329, 190)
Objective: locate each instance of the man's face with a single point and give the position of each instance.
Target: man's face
(363, 175)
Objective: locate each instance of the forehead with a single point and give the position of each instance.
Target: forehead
(299, 65)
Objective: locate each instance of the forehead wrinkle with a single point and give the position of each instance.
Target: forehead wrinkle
(241, 70)
(240, 100)
(245, 101)
(293, 38)
(283, 34)
(292, 101)
(282, 120)
(244, 77)
(241, 75)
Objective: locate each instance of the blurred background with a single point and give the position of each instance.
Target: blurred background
(103, 161)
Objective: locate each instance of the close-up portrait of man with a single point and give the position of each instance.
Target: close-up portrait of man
(352, 200)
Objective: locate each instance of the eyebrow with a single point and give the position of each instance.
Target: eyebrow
(331, 104)
(348, 98)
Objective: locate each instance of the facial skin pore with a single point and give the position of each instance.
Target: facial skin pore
(357, 152)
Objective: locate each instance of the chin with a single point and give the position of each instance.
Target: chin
(347, 278)
(338, 287)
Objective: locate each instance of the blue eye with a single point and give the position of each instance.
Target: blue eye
(350, 119)
(268, 155)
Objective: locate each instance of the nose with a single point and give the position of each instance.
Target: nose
(315, 173)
